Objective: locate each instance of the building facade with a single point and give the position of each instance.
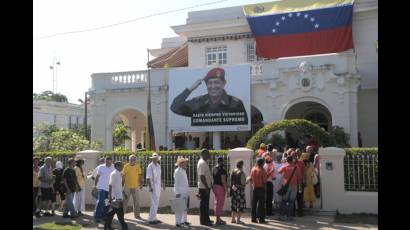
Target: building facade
(330, 89)
(63, 115)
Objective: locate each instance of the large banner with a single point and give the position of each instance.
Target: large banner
(209, 99)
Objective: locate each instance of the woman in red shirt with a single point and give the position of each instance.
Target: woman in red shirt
(288, 200)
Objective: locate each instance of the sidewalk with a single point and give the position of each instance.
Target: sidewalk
(306, 222)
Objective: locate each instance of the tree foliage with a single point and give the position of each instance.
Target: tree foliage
(120, 134)
(50, 138)
(50, 96)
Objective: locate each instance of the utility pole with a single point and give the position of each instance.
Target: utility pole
(54, 68)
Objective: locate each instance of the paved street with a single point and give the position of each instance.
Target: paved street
(306, 222)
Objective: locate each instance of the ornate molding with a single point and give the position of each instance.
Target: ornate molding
(222, 37)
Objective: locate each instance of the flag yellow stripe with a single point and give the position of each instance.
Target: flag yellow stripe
(285, 6)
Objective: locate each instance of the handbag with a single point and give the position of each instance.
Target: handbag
(314, 178)
(284, 189)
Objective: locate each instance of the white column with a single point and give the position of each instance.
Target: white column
(108, 139)
(216, 139)
(332, 177)
(133, 140)
(244, 154)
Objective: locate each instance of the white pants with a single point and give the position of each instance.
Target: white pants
(79, 200)
(154, 203)
(181, 217)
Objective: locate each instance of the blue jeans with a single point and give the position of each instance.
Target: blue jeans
(288, 202)
(68, 205)
(100, 208)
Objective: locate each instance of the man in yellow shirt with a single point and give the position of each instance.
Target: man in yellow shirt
(133, 182)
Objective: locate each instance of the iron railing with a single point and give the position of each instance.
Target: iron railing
(361, 172)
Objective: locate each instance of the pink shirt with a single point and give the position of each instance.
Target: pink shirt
(286, 171)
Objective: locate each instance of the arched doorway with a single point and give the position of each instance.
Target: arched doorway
(311, 111)
(308, 110)
(135, 123)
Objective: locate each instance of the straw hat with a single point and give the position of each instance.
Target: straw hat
(180, 160)
(304, 156)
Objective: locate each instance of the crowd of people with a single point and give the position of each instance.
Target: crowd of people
(287, 181)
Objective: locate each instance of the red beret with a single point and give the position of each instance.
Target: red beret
(215, 73)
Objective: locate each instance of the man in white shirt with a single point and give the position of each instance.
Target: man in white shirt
(204, 185)
(154, 185)
(101, 183)
(115, 196)
(181, 191)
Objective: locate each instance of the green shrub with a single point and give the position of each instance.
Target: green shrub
(304, 127)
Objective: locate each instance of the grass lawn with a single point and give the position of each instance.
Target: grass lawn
(360, 218)
(57, 226)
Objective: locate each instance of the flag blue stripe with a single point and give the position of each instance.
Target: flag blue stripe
(323, 19)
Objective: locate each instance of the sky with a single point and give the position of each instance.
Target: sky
(114, 49)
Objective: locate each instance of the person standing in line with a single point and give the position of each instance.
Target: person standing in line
(219, 189)
(277, 183)
(300, 185)
(288, 200)
(309, 192)
(133, 182)
(36, 187)
(46, 186)
(258, 180)
(316, 165)
(261, 150)
(79, 196)
(154, 184)
(204, 186)
(58, 182)
(270, 171)
(238, 201)
(101, 184)
(181, 191)
(115, 197)
(71, 186)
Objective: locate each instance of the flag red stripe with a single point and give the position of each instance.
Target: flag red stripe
(310, 43)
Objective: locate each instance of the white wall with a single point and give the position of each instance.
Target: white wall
(334, 196)
(368, 117)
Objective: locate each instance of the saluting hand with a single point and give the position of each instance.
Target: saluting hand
(195, 85)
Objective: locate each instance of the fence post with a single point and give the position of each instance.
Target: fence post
(246, 155)
(332, 177)
(91, 158)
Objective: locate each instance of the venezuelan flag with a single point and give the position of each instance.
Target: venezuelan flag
(300, 27)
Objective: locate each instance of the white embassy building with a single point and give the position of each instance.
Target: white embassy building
(329, 89)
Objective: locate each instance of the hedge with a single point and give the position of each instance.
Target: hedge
(126, 153)
(303, 126)
(362, 151)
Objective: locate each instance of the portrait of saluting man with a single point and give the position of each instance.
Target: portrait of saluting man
(217, 101)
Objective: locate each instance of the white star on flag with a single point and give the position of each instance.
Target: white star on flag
(273, 31)
(298, 14)
(312, 19)
(290, 15)
(277, 23)
(316, 25)
(306, 15)
(283, 18)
